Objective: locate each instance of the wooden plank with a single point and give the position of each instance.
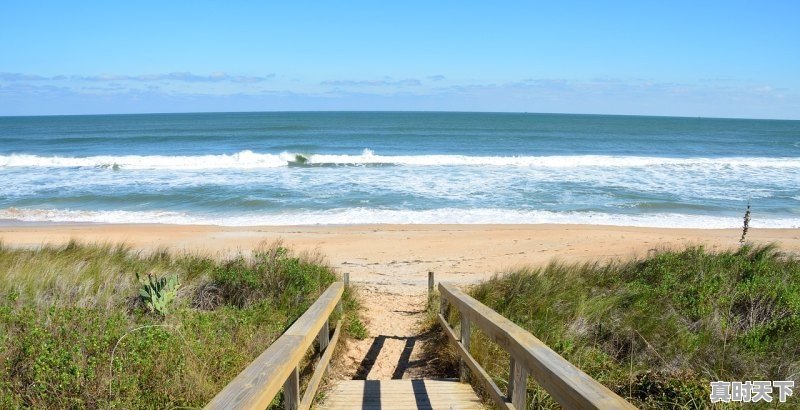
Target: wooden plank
(430, 285)
(518, 384)
(291, 391)
(403, 390)
(397, 392)
(511, 385)
(488, 384)
(346, 279)
(323, 337)
(319, 370)
(260, 382)
(394, 389)
(316, 315)
(567, 384)
(401, 394)
(465, 334)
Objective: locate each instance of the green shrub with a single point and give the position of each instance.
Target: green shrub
(72, 337)
(157, 293)
(658, 330)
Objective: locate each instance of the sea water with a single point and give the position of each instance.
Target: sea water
(400, 167)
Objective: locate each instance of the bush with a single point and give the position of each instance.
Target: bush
(73, 333)
(658, 330)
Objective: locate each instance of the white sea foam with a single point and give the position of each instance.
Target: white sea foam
(350, 216)
(240, 160)
(252, 160)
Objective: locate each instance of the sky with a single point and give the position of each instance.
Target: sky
(680, 58)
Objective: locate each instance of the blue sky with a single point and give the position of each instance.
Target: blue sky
(686, 58)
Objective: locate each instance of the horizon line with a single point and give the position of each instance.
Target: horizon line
(396, 111)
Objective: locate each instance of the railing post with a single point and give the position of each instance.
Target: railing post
(430, 289)
(464, 342)
(346, 280)
(324, 336)
(517, 384)
(291, 391)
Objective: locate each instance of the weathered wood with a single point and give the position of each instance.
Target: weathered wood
(518, 384)
(430, 285)
(488, 384)
(260, 382)
(346, 281)
(401, 394)
(319, 369)
(291, 391)
(567, 384)
(465, 333)
(323, 337)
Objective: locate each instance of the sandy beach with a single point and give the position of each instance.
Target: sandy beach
(389, 263)
(458, 253)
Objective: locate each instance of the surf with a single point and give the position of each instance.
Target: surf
(248, 159)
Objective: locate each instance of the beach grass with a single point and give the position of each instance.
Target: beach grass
(74, 332)
(655, 330)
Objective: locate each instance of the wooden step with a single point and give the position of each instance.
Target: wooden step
(401, 394)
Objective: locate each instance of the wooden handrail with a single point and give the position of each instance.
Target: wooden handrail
(567, 384)
(277, 367)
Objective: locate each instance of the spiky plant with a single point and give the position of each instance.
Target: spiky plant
(157, 293)
(745, 225)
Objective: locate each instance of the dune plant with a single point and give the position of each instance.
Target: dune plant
(656, 330)
(157, 293)
(70, 336)
(745, 225)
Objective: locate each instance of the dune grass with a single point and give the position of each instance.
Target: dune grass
(656, 330)
(74, 333)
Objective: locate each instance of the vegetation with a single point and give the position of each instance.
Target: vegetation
(745, 225)
(157, 293)
(656, 330)
(79, 330)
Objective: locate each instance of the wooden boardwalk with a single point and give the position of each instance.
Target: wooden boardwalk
(277, 368)
(401, 394)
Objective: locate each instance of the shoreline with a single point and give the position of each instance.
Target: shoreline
(478, 217)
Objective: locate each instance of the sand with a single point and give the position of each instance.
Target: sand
(389, 263)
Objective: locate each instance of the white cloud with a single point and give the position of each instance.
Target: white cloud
(183, 76)
(218, 91)
(412, 82)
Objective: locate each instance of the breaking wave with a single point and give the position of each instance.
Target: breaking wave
(353, 216)
(251, 160)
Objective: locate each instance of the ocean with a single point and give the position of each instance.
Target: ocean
(299, 168)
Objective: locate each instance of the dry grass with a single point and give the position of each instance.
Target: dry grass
(72, 333)
(656, 330)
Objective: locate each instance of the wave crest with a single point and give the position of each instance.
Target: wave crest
(360, 216)
(251, 160)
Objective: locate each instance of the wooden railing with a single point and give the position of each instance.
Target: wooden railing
(278, 366)
(567, 384)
